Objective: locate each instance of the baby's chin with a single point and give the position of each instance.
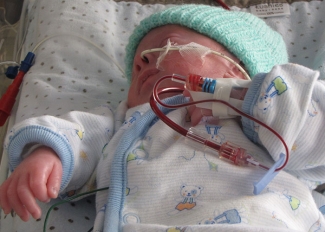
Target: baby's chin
(137, 100)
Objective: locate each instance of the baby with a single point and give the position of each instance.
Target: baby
(156, 181)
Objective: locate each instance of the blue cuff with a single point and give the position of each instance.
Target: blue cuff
(248, 106)
(44, 136)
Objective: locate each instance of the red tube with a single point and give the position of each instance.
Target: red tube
(155, 99)
(9, 97)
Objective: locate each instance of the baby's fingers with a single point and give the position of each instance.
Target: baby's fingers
(15, 190)
(27, 199)
(54, 181)
(37, 184)
(197, 115)
(4, 202)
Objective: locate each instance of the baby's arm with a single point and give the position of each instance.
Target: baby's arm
(76, 141)
(290, 100)
(37, 177)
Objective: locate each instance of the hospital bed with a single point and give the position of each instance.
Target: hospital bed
(79, 48)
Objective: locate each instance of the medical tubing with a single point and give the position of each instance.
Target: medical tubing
(155, 98)
(227, 150)
(162, 116)
(175, 126)
(86, 40)
(68, 200)
(8, 99)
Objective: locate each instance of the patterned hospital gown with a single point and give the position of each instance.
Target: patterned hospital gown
(159, 182)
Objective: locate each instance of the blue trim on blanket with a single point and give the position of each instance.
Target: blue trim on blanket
(118, 175)
(249, 102)
(45, 136)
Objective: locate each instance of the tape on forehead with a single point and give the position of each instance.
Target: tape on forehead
(187, 51)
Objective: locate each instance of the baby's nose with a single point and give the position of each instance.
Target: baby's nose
(144, 61)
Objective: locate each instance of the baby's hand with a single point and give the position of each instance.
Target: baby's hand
(37, 177)
(197, 113)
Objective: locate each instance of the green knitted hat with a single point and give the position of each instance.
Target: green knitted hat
(246, 36)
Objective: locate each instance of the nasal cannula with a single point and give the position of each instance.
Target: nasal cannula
(227, 150)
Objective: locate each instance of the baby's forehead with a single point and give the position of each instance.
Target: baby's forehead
(159, 36)
(170, 30)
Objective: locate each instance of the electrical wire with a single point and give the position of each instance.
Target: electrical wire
(7, 27)
(68, 200)
(21, 32)
(155, 98)
(7, 23)
(84, 39)
(9, 62)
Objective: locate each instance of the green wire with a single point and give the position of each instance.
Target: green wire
(68, 200)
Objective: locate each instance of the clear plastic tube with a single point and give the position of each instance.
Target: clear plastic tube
(228, 151)
(202, 140)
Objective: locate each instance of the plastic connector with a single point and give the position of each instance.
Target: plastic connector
(230, 90)
(238, 156)
(27, 62)
(198, 83)
(235, 154)
(227, 150)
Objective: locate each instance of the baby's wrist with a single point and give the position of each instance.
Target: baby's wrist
(39, 148)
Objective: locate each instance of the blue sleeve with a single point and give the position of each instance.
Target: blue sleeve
(78, 138)
(291, 100)
(248, 106)
(19, 137)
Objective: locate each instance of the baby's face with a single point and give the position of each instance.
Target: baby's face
(145, 73)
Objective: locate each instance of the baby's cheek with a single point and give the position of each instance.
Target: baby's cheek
(179, 62)
(213, 69)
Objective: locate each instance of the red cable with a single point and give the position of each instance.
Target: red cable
(8, 99)
(222, 4)
(155, 98)
(162, 116)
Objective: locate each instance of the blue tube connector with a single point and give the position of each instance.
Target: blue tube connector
(12, 72)
(27, 62)
(209, 85)
(25, 65)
